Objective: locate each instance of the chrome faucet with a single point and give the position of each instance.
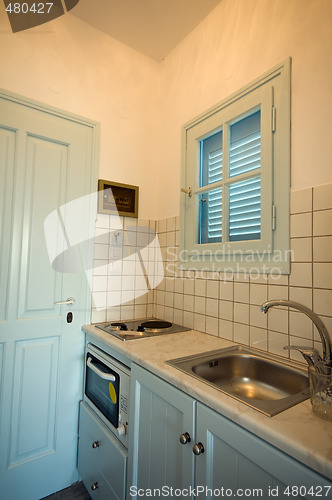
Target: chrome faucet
(310, 355)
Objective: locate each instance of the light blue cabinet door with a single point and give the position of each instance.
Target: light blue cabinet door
(160, 414)
(235, 459)
(46, 161)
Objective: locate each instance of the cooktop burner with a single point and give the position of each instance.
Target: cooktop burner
(140, 328)
(156, 325)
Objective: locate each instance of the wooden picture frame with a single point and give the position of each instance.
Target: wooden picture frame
(115, 198)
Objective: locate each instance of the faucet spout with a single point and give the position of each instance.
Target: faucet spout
(323, 333)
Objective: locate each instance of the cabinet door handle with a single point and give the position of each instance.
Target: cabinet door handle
(198, 449)
(185, 438)
(94, 486)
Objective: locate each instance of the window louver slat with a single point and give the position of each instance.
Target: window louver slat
(245, 155)
(245, 210)
(211, 172)
(245, 196)
(214, 201)
(211, 217)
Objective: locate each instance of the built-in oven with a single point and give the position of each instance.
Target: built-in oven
(107, 383)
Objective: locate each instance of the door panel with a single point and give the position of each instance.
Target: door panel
(34, 426)
(7, 150)
(48, 186)
(46, 161)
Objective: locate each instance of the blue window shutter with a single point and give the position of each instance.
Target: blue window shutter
(245, 210)
(210, 222)
(245, 145)
(245, 196)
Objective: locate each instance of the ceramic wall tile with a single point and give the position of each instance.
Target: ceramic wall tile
(212, 325)
(212, 307)
(226, 309)
(241, 333)
(258, 338)
(301, 225)
(212, 289)
(301, 295)
(322, 249)
(322, 302)
(226, 329)
(258, 293)
(300, 326)
(322, 223)
(301, 249)
(241, 292)
(200, 287)
(226, 290)
(322, 274)
(301, 274)
(322, 199)
(301, 201)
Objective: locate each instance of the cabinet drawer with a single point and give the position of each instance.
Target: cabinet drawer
(105, 454)
(94, 481)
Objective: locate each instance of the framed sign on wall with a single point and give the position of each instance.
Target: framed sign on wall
(115, 198)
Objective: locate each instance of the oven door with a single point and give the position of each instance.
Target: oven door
(102, 388)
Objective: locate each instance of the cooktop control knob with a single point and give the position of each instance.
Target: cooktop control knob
(140, 328)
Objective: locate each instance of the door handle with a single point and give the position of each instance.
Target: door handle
(69, 301)
(100, 373)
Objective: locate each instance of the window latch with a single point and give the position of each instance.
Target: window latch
(187, 191)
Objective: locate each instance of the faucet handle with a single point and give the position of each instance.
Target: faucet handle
(310, 354)
(304, 348)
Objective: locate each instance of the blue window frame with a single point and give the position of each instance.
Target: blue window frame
(236, 162)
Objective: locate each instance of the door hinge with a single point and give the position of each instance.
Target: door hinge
(274, 217)
(273, 119)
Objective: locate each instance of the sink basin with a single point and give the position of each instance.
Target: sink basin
(263, 381)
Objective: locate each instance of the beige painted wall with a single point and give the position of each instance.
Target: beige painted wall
(70, 65)
(141, 105)
(238, 41)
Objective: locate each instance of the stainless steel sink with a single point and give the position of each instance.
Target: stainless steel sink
(263, 381)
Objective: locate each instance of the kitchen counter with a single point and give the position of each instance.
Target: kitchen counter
(296, 431)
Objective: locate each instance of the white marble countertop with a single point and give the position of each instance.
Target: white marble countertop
(296, 431)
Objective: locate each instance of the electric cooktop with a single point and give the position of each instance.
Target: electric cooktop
(140, 328)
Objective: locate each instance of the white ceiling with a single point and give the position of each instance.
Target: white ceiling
(153, 27)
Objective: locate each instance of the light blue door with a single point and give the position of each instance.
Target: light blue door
(46, 161)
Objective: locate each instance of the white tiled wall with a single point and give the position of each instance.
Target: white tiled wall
(125, 266)
(227, 305)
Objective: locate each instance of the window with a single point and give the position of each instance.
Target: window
(235, 178)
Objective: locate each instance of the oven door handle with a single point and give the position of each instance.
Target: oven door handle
(100, 373)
